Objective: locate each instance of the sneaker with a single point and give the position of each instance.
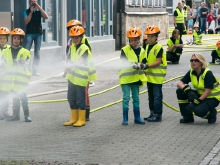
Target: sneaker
(35, 74)
(211, 62)
(91, 83)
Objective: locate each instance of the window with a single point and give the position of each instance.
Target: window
(148, 3)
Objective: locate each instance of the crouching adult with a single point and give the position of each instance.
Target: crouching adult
(205, 98)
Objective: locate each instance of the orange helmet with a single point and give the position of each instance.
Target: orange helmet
(152, 29)
(4, 31)
(145, 38)
(133, 32)
(76, 31)
(218, 44)
(17, 31)
(72, 23)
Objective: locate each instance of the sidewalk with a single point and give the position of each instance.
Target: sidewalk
(104, 141)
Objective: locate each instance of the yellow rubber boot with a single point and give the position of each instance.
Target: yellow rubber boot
(82, 119)
(74, 115)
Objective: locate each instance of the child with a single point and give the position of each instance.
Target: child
(4, 91)
(16, 58)
(215, 53)
(210, 17)
(93, 75)
(78, 77)
(132, 77)
(197, 35)
(145, 42)
(156, 69)
(175, 47)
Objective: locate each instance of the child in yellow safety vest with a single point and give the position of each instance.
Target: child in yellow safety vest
(4, 93)
(17, 60)
(144, 42)
(78, 77)
(132, 75)
(93, 75)
(197, 35)
(216, 53)
(156, 68)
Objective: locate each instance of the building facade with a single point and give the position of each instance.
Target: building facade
(95, 15)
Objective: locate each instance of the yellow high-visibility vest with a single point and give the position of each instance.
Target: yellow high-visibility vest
(128, 74)
(156, 75)
(200, 88)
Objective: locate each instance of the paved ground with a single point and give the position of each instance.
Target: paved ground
(104, 140)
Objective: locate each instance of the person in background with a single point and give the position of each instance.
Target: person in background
(185, 15)
(145, 42)
(131, 74)
(179, 22)
(156, 69)
(197, 35)
(175, 47)
(203, 17)
(17, 59)
(4, 83)
(215, 13)
(32, 19)
(199, 15)
(188, 17)
(205, 98)
(210, 17)
(215, 53)
(194, 11)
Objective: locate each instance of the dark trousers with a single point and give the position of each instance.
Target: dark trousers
(20, 97)
(180, 27)
(76, 96)
(215, 56)
(155, 97)
(201, 110)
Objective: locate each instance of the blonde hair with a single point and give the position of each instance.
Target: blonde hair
(202, 60)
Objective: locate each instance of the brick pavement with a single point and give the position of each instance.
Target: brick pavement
(104, 140)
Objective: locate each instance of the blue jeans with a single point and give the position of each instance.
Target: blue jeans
(134, 87)
(37, 45)
(155, 97)
(76, 96)
(203, 24)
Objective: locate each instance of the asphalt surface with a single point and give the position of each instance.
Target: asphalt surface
(104, 141)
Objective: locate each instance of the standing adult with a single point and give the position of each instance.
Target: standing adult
(215, 13)
(194, 11)
(185, 14)
(198, 15)
(203, 17)
(179, 19)
(32, 18)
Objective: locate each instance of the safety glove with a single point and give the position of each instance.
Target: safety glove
(190, 108)
(192, 96)
(144, 66)
(186, 89)
(136, 66)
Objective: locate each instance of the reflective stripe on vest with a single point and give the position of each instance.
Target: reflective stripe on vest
(199, 85)
(79, 74)
(170, 44)
(128, 74)
(157, 74)
(180, 17)
(197, 37)
(217, 51)
(21, 72)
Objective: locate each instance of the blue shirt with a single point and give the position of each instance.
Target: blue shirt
(25, 16)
